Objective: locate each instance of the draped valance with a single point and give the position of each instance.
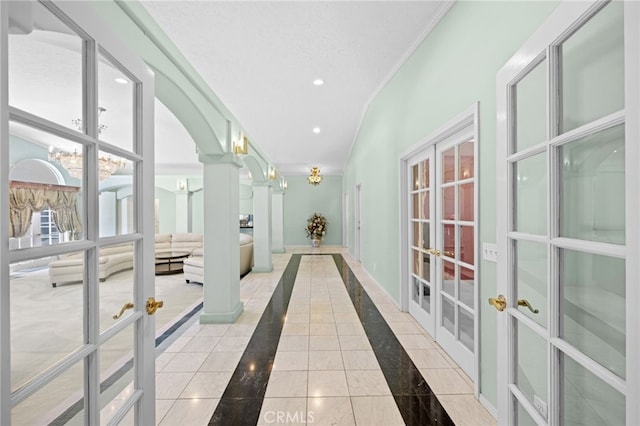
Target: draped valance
(26, 198)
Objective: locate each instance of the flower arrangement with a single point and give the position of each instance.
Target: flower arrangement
(316, 226)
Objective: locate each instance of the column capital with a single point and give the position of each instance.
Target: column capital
(226, 158)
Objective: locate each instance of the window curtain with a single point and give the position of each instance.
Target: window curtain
(26, 198)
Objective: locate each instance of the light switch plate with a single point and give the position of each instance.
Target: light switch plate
(489, 252)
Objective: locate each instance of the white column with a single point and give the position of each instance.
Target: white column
(277, 222)
(182, 211)
(262, 227)
(221, 287)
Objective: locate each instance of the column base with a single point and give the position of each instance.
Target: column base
(222, 318)
(262, 268)
(278, 250)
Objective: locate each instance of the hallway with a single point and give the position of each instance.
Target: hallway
(332, 362)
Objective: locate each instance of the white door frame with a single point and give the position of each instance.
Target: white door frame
(345, 219)
(562, 20)
(469, 117)
(357, 218)
(142, 398)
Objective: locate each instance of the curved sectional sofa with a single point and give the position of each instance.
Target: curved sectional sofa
(194, 265)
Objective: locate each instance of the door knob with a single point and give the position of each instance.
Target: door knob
(153, 305)
(124, 308)
(500, 303)
(434, 252)
(524, 302)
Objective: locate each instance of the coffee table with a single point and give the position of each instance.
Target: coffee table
(170, 262)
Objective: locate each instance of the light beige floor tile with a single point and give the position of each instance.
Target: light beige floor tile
(179, 344)
(213, 329)
(163, 359)
(296, 318)
(325, 360)
(446, 356)
(288, 411)
(387, 308)
(346, 307)
(171, 385)
(322, 318)
(286, 384)
(291, 360)
(249, 318)
(237, 330)
(465, 377)
(326, 329)
(231, 344)
(404, 328)
(185, 362)
(329, 412)
(327, 383)
(412, 341)
(350, 329)
(321, 308)
(465, 410)
(396, 317)
(346, 317)
(354, 343)
(192, 412)
(360, 360)
(445, 381)
(376, 411)
(295, 329)
(324, 343)
(207, 384)
(427, 358)
(162, 408)
(298, 308)
(367, 383)
(201, 344)
(293, 343)
(221, 361)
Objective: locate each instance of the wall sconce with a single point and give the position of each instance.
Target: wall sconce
(242, 147)
(314, 178)
(181, 185)
(285, 184)
(273, 173)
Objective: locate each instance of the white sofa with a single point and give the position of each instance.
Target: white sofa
(69, 268)
(194, 265)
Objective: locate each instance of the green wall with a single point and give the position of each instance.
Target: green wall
(454, 67)
(301, 200)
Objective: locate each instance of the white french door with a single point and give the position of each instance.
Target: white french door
(567, 232)
(441, 237)
(74, 95)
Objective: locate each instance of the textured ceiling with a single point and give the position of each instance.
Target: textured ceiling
(261, 58)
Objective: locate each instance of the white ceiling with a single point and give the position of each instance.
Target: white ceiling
(261, 58)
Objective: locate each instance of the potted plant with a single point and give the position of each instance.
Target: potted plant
(316, 228)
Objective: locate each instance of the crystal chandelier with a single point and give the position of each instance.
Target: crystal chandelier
(314, 178)
(101, 127)
(72, 162)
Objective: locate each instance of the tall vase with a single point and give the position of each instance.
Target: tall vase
(315, 242)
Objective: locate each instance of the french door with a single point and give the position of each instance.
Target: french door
(441, 182)
(567, 228)
(73, 97)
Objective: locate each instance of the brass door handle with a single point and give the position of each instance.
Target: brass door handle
(434, 252)
(124, 308)
(153, 305)
(524, 302)
(500, 303)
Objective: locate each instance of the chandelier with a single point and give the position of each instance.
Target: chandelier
(101, 127)
(314, 178)
(72, 162)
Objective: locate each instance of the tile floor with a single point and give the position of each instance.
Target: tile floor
(324, 370)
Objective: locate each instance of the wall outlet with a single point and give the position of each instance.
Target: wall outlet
(540, 405)
(489, 252)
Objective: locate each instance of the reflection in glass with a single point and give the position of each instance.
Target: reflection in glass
(587, 399)
(415, 177)
(416, 234)
(465, 202)
(449, 203)
(593, 307)
(531, 278)
(116, 100)
(52, 400)
(466, 286)
(45, 65)
(31, 291)
(416, 262)
(448, 315)
(531, 108)
(415, 294)
(449, 240)
(467, 247)
(426, 297)
(593, 173)
(531, 195)
(465, 328)
(465, 164)
(415, 205)
(426, 210)
(531, 366)
(425, 169)
(426, 267)
(117, 198)
(116, 355)
(593, 68)
(524, 419)
(115, 267)
(426, 235)
(45, 199)
(449, 165)
(448, 278)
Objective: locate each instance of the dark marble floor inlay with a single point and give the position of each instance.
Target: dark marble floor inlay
(242, 399)
(417, 403)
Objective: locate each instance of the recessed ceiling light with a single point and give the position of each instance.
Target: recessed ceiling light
(121, 80)
(316, 130)
(318, 82)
